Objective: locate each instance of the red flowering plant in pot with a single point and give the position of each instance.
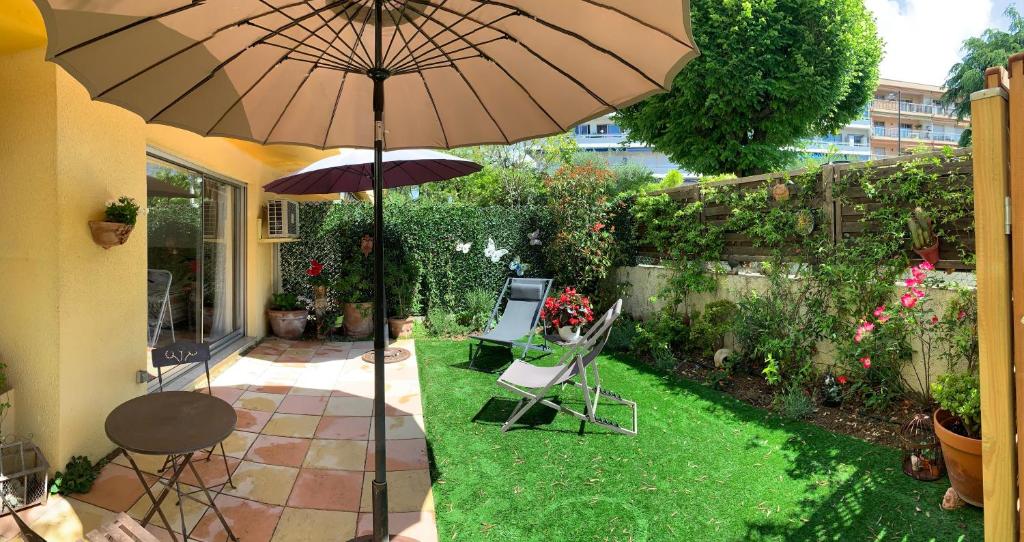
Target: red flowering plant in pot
(319, 281)
(567, 313)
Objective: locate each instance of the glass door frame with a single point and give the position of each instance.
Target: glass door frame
(239, 206)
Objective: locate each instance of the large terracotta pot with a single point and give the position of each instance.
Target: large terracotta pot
(401, 328)
(288, 324)
(963, 460)
(358, 319)
(109, 234)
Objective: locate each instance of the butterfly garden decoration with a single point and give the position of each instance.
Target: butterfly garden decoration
(518, 266)
(535, 238)
(462, 247)
(493, 252)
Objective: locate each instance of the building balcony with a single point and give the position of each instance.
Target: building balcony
(836, 144)
(920, 135)
(892, 106)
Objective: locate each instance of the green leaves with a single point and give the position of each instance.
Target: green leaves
(771, 72)
(960, 393)
(77, 477)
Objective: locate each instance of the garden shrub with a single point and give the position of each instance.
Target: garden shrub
(444, 324)
(960, 394)
(478, 307)
(711, 325)
(793, 404)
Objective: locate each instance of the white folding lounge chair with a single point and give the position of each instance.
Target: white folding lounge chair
(573, 369)
(518, 319)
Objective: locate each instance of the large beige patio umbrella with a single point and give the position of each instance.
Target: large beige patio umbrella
(311, 72)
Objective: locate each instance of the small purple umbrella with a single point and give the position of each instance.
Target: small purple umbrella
(352, 171)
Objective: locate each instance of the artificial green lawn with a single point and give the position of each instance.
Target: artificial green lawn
(703, 467)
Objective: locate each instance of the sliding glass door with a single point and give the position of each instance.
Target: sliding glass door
(196, 255)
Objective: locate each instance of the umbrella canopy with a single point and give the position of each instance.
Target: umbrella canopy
(310, 72)
(461, 72)
(352, 171)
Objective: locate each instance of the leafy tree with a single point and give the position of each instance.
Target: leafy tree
(992, 48)
(771, 72)
(631, 177)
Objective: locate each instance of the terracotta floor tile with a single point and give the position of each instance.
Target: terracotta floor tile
(408, 491)
(261, 401)
(410, 454)
(299, 404)
(268, 484)
(327, 490)
(291, 425)
(273, 450)
(335, 427)
(116, 489)
(227, 393)
(305, 525)
(237, 444)
(89, 516)
(309, 390)
(212, 470)
(349, 406)
(251, 420)
(402, 427)
(249, 521)
(404, 404)
(353, 388)
(193, 510)
(336, 454)
(150, 464)
(404, 526)
(278, 389)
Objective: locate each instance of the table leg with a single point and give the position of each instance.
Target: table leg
(187, 458)
(213, 505)
(152, 499)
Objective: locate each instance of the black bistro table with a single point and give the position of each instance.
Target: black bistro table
(175, 424)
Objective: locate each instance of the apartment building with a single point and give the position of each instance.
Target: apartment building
(902, 116)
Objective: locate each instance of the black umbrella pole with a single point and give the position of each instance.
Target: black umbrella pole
(380, 483)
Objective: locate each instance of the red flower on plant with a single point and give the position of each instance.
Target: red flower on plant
(315, 268)
(935, 320)
(841, 379)
(908, 300)
(569, 308)
(598, 226)
(866, 362)
(961, 315)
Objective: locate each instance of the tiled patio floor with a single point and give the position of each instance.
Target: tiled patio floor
(301, 457)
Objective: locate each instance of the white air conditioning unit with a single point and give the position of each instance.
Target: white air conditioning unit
(282, 219)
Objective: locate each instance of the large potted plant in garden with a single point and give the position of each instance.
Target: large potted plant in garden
(400, 282)
(121, 215)
(355, 291)
(568, 313)
(287, 316)
(958, 427)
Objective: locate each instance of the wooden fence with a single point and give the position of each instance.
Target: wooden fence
(844, 215)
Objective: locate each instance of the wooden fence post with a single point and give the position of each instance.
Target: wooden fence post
(1014, 81)
(989, 116)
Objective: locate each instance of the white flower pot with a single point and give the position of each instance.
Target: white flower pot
(569, 333)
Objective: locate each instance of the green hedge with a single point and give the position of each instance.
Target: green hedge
(424, 233)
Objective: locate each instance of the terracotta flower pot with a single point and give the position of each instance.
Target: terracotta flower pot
(929, 254)
(358, 319)
(109, 234)
(963, 460)
(288, 324)
(401, 328)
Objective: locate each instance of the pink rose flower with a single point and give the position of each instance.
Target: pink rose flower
(866, 362)
(879, 311)
(908, 300)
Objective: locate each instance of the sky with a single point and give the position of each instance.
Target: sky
(923, 37)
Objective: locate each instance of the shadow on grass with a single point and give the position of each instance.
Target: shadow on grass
(859, 492)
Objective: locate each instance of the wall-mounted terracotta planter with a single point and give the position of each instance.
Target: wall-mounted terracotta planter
(929, 254)
(963, 460)
(109, 234)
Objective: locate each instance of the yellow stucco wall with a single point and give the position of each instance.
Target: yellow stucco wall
(73, 338)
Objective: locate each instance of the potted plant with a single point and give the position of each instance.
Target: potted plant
(355, 291)
(400, 285)
(287, 316)
(319, 281)
(922, 236)
(567, 313)
(958, 427)
(121, 215)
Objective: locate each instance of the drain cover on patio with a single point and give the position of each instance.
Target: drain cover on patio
(391, 355)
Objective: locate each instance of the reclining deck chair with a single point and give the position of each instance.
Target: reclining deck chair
(572, 369)
(518, 319)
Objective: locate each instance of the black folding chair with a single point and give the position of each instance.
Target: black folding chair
(185, 353)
